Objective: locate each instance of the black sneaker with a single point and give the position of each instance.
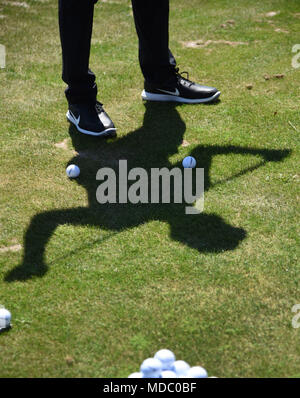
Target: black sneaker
(180, 89)
(91, 119)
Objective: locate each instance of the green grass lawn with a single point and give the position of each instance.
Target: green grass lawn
(95, 289)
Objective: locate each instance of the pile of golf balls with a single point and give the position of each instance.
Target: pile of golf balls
(5, 318)
(164, 365)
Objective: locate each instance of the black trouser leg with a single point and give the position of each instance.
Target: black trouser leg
(152, 25)
(75, 25)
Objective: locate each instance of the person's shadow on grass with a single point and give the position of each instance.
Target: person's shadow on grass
(149, 146)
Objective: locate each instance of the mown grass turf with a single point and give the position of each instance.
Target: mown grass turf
(96, 289)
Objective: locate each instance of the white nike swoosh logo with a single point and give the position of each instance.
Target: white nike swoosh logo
(170, 92)
(77, 120)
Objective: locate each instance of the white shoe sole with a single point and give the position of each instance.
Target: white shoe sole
(93, 133)
(173, 98)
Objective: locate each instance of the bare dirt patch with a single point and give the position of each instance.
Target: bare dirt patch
(228, 23)
(16, 4)
(276, 76)
(185, 143)
(13, 248)
(272, 13)
(62, 144)
(203, 44)
(280, 30)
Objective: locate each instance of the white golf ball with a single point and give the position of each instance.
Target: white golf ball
(197, 372)
(5, 318)
(166, 357)
(168, 374)
(136, 375)
(73, 171)
(189, 162)
(151, 367)
(181, 368)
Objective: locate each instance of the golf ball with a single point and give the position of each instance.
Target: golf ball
(151, 367)
(136, 375)
(189, 162)
(5, 317)
(73, 171)
(168, 374)
(181, 368)
(166, 357)
(196, 372)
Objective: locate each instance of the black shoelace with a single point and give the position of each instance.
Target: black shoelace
(99, 107)
(186, 79)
